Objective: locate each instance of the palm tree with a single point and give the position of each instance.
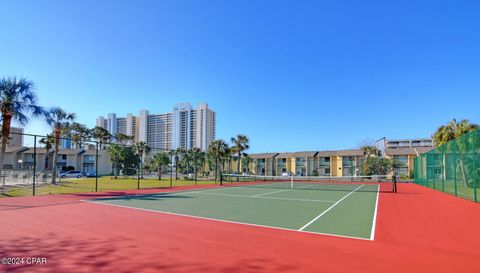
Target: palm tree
(17, 101)
(101, 135)
(218, 149)
(58, 119)
(79, 133)
(451, 131)
(47, 141)
(179, 153)
(124, 139)
(240, 144)
(117, 154)
(195, 155)
(142, 149)
(158, 161)
(171, 155)
(227, 157)
(245, 163)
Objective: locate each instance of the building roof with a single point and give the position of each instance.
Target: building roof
(15, 149)
(409, 139)
(41, 150)
(263, 155)
(297, 154)
(350, 152)
(407, 151)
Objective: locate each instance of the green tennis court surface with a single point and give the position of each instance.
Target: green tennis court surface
(347, 212)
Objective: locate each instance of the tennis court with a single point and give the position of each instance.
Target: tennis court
(345, 207)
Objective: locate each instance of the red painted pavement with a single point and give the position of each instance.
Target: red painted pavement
(418, 230)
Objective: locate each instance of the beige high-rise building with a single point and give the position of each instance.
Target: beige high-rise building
(185, 127)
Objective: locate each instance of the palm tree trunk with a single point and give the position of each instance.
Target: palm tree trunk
(176, 168)
(238, 165)
(159, 173)
(464, 173)
(45, 162)
(195, 172)
(7, 119)
(216, 168)
(55, 155)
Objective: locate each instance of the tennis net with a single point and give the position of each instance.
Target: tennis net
(372, 183)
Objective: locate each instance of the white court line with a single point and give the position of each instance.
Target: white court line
(270, 192)
(263, 197)
(225, 221)
(331, 207)
(374, 222)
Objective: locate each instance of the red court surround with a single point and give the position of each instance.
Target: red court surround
(418, 230)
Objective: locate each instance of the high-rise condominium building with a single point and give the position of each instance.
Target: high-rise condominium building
(185, 127)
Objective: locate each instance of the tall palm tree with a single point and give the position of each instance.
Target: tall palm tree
(171, 155)
(101, 135)
(142, 149)
(117, 155)
(179, 153)
(240, 144)
(218, 149)
(451, 131)
(58, 119)
(159, 161)
(195, 155)
(79, 133)
(246, 163)
(47, 141)
(17, 101)
(124, 139)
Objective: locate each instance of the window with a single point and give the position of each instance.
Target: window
(400, 160)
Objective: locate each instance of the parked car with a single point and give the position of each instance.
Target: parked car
(287, 174)
(70, 174)
(90, 174)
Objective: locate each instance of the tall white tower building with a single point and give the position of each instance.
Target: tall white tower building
(185, 127)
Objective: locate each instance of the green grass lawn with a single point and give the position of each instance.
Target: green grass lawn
(104, 184)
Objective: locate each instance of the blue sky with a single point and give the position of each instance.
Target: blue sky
(292, 75)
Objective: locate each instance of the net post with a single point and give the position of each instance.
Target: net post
(34, 162)
(291, 182)
(394, 183)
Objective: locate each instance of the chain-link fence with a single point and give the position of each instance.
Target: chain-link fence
(31, 165)
(453, 167)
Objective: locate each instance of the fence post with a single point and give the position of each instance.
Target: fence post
(454, 148)
(433, 169)
(138, 175)
(443, 167)
(34, 162)
(475, 182)
(96, 167)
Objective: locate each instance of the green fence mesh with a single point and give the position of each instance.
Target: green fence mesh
(453, 167)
